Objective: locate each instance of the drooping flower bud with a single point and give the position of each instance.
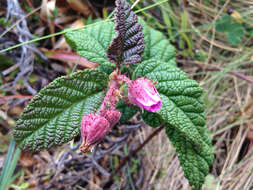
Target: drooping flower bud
(112, 116)
(143, 93)
(93, 129)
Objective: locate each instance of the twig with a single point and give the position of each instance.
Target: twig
(9, 70)
(30, 3)
(19, 21)
(16, 96)
(237, 74)
(127, 157)
(215, 68)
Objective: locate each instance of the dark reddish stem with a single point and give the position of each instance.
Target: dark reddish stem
(30, 3)
(111, 96)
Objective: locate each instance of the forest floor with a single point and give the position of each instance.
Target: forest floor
(214, 45)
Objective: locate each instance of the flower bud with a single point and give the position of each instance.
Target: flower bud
(93, 129)
(112, 116)
(143, 93)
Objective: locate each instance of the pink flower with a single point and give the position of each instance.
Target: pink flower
(112, 116)
(143, 93)
(93, 129)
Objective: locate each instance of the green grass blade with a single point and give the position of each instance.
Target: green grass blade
(9, 165)
(12, 167)
(7, 161)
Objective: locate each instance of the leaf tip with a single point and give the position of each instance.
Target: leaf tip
(128, 45)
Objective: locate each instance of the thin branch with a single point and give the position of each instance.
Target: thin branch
(215, 68)
(133, 153)
(237, 74)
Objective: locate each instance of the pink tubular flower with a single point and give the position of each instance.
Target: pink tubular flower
(93, 129)
(112, 116)
(143, 93)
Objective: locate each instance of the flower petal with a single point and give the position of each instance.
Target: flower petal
(143, 93)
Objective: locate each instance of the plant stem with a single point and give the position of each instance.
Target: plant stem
(111, 96)
(123, 78)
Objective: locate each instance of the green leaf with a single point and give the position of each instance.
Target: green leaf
(92, 43)
(235, 35)
(183, 111)
(157, 46)
(54, 115)
(223, 24)
(194, 165)
(234, 31)
(152, 119)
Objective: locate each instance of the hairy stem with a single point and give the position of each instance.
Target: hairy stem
(111, 96)
(124, 78)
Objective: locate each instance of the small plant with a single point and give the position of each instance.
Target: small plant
(234, 30)
(96, 99)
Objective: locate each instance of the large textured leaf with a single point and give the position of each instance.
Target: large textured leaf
(128, 45)
(183, 111)
(92, 43)
(54, 115)
(157, 46)
(194, 165)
